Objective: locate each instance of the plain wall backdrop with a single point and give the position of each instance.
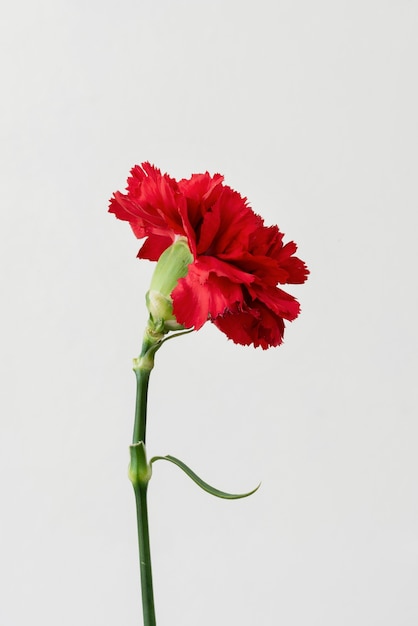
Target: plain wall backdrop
(309, 109)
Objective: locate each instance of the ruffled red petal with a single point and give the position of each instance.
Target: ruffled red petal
(153, 204)
(209, 289)
(260, 320)
(255, 325)
(153, 247)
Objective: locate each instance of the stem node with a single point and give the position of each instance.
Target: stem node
(139, 469)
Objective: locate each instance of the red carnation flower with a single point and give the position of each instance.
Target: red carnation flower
(237, 260)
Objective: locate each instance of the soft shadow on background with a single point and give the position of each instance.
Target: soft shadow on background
(310, 110)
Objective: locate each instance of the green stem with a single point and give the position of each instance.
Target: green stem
(140, 469)
(142, 368)
(140, 425)
(148, 608)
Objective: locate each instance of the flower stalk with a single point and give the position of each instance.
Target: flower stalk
(140, 469)
(140, 424)
(148, 607)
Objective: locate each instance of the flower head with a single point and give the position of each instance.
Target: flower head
(236, 263)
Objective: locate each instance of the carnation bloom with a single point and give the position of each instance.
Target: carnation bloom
(237, 260)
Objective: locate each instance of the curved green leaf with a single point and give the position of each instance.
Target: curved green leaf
(200, 482)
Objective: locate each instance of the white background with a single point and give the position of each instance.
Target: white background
(310, 110)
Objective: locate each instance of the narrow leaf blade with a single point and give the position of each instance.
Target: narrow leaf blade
(201, 483)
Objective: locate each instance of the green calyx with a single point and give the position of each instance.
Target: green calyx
(172, 265)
